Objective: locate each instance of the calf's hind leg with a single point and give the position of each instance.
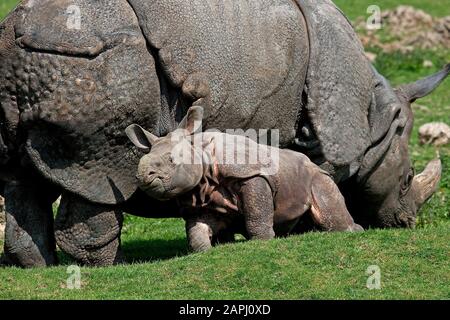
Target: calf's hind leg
(89, 232)
(258, 208)
(328, 208)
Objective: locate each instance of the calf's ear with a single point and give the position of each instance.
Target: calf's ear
(192, 122)
(140, 137)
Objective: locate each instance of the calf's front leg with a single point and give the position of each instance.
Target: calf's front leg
(207, 230)
(199, 235)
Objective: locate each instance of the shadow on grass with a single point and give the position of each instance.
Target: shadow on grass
(143, 251)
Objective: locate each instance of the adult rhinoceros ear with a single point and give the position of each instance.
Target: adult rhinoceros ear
(192, 122)
(424, 87)
(140, 137)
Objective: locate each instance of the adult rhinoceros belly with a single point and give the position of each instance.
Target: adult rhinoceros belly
(245, 61)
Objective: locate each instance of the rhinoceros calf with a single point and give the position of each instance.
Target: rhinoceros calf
(223, 179)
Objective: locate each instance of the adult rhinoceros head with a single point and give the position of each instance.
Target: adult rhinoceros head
(392, 193)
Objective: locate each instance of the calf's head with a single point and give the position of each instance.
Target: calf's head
(392, 193)
(172, 165)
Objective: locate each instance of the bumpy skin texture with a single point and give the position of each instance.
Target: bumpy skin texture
(8, 101)
(29, 237)
(257, 205)
(72, 92)
(89, 233)
(77, 90)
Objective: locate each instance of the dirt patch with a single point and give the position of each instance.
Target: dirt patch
(405, 29)
(435, 133)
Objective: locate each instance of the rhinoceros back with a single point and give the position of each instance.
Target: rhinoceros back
(250, 55)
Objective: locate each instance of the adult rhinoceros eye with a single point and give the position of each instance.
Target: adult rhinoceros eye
(408, 181)
(170, 160)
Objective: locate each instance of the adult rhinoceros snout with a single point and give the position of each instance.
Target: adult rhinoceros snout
(426, 183)
(404, 219)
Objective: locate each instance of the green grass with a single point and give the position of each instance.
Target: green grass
(414, 264)
(6, 6)
(312, 266)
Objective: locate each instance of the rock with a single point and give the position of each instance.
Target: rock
(428, 64)
(406, 19)
(371, 56)
(408, 29)
(435, 133)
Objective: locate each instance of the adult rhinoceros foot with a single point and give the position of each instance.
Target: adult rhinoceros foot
(89, 232)
(29, 240)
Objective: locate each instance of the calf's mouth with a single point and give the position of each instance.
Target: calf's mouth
(156, 189)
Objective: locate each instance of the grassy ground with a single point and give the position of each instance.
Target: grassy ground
(414, 264)
(6, 6)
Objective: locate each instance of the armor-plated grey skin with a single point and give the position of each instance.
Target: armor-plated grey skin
(268, 189)
(67, 94)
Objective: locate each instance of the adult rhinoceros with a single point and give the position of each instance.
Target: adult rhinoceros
(75, 73)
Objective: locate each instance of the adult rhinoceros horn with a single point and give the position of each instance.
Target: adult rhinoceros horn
(426, 183)
(423, 87)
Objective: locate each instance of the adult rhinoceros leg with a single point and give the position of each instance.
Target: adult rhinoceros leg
(29, 238)
(89, 232)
